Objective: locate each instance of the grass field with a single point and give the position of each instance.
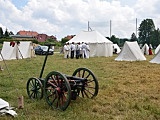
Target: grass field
(127, 90)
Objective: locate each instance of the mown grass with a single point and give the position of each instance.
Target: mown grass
(127, 90)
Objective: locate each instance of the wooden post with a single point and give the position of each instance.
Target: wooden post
(20, 102)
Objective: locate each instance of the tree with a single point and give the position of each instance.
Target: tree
(155, 38)
(133, 37)
(1, 32)
(11, 33)
(64, 40)
(145, 31)
(114, 39)
(6, 34)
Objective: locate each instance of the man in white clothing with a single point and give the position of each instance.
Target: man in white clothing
(84, 47)
(66, 50)
(73, 48)
(87, 50)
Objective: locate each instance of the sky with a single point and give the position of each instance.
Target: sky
(69, 17)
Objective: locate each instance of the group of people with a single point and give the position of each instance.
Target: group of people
(78, 50)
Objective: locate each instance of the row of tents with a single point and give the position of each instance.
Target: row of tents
(99, 46)
(14, 50)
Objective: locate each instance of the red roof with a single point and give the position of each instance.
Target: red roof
(27, 33)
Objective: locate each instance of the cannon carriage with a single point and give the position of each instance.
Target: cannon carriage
(59, 89)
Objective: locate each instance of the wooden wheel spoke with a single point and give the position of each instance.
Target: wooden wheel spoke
(90, 87)
(82, 93)
(57, 78)
(83, 73)
(31, 94)
(54, 80)
(53, 100)
(88, 92)
(89, 81)
(88, 75)
(79, 74)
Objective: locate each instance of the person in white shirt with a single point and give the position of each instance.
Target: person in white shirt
(78, 47)
(84, 47)
(66, 50)
(87, 50)
(73, 48)
(81, 51)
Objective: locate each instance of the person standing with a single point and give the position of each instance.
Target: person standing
(66, 50)
(81, 51)
(73, 48)
(84, 47)
(77, 50)
(87, 50)
(150, 51)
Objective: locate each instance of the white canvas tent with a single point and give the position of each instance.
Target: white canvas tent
(23, 50)
(130, 52)
(157, 49)
(115, 46)
(156, 58)
(145, 49)
(99, 45)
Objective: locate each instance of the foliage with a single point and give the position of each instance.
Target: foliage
(133, 37)
(127, 90)
(122, 41)
(145, 31)
(1, 32)
(54, 42)
(155, 38)
(6, 34)
(115, 40)
(35, 41)
(63, 41)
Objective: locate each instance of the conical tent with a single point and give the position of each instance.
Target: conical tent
(145, 49)
(99, 45)
(156, 58)
(130, 52)
(9, 52)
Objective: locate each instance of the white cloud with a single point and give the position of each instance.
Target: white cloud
(65, 17)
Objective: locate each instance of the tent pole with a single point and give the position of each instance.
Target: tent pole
(20, 53)
(6, 66)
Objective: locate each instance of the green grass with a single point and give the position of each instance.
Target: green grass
(127, 90)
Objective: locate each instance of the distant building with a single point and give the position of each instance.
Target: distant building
(44, 37)
(27, 33)
(30, 35)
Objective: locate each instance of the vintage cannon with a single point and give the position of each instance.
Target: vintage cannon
(59, 89)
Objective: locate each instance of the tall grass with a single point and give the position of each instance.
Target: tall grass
(127, 90)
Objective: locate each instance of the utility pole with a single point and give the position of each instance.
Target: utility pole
(110, 28)
(136, 27)
(88, 25)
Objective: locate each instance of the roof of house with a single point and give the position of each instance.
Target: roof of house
(27, 33)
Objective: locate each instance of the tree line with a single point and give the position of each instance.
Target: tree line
(147, 33)
(5, 34)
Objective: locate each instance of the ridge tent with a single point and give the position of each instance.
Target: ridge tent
(23, 50)
(156, 58)
(99, 45)
(130, 52)
(157, 49)
(145, 49)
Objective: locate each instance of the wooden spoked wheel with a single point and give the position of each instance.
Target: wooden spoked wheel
(90, 86)
(57, 90)
(34, 88)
